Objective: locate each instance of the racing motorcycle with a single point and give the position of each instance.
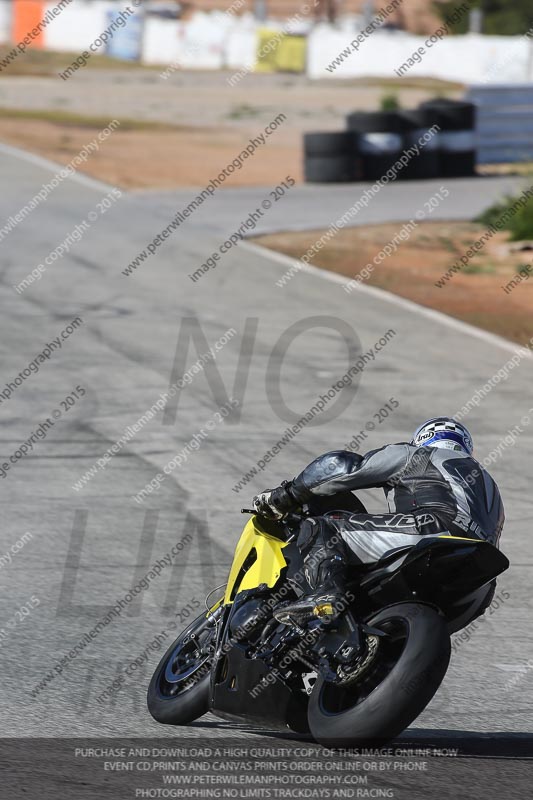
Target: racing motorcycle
(359, 677)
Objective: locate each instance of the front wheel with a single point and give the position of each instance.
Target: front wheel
(179, 690)
(408, 667)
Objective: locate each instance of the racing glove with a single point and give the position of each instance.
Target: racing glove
(275, 503)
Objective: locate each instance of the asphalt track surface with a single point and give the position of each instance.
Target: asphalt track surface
(88, 547)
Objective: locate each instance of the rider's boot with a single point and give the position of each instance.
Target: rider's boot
(324, 554)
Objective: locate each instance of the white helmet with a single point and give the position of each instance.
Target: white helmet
(443, 432)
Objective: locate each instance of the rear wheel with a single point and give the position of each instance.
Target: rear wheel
(179, 689)
(406, 671)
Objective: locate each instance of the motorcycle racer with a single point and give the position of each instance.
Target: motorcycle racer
(433, 486)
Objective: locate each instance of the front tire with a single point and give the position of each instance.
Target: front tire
(409, 666)
(179, 690)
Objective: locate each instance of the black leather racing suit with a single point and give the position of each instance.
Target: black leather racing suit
(429, 490)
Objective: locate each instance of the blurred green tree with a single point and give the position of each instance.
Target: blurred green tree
(500, 17)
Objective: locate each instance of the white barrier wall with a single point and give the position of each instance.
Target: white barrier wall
(197, 44)
(192, 45)
(161, 41)
(208, 41)
(78, 25)
(218, 40)
(241, 44)
(5, 22)
(468, 59)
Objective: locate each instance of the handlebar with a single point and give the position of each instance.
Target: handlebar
(288, 523)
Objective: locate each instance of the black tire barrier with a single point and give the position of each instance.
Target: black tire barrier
(374, 122)
(457, 154)
(456, 119)
(375, 141)
(342, 143)
(451, 115)
(417, 123)
(380, 141)
(379, 152)
(332, 169)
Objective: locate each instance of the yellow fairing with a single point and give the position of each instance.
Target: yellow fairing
(264, 550)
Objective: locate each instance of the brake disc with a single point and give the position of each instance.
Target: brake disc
(353, 672)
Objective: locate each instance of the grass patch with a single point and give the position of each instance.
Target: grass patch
(449, 245)
(474, 295)
(479, 269)
(46, 62)
(243, 111)
(69, 119)
(519, 225)
(443, 88)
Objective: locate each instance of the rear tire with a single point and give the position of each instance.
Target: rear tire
(408, 669)
(179, 690)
